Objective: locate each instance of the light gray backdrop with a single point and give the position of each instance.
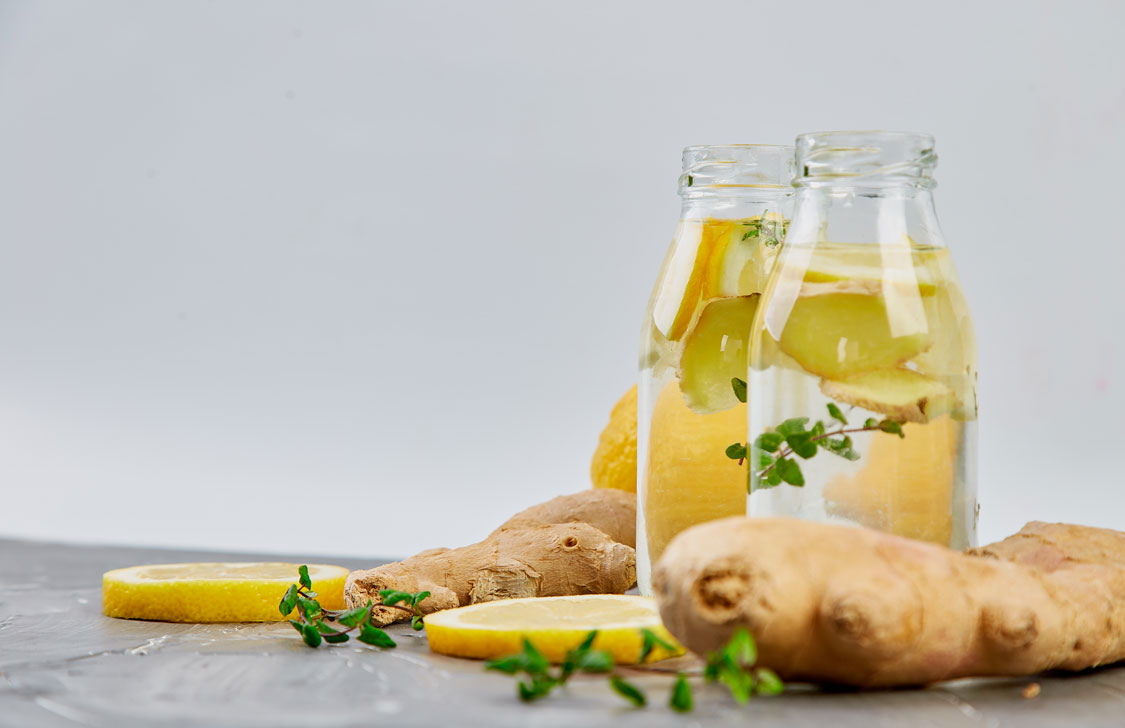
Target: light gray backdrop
(367, 277)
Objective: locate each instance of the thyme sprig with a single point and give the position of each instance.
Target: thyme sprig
(771, 453)
(733, 666)
(769, 230)
(314, 630)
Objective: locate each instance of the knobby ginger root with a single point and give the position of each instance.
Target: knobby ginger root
(573, 544)
(859, 607)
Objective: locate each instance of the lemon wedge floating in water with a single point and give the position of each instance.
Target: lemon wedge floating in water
(552, 624)
(213, 592)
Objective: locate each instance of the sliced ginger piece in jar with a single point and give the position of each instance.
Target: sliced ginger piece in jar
(841, 329)
(742, 260)
(900, 394)
(715, 351)
(689, 478)
(905, 486)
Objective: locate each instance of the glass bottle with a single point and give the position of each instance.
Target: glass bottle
(864, 357)
(694, 340)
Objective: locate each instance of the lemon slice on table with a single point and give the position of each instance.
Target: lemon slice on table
(213, 592)
(553, 625)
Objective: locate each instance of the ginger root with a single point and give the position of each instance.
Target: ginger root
(574, 544)
(852, 606)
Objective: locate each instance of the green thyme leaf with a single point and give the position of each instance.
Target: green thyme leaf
(736, 451)
(392, 597)
(416, 623)
(310, 635)
(589, 641)
(651, 640)
(299, 626)
(509, 665)
(627, 690)
(892, 427)
(352, 617)
(789, 471)
(310, 606)
(336, 638)
(773, 478)
(539, 687)
(374, 636)
(769, 441)
(764, 459)
(792, 426)
(739, 387)
(836, 413)
(533, 661)
(681, 700)
(739, 682)
(415, 599)
(768, 682)
(742, 648)
(303, 572)
(870, 422)
(289, 601)
(595, 661)
(801, 444)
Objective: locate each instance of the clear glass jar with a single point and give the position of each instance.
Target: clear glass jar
(736, 201)
(864, 359)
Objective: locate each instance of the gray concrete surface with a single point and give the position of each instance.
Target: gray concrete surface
(64, 664)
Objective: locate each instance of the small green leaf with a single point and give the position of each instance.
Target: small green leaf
(533, 661)
(737, 451)
(870, 423)
(589, 641)
(739, 682)
(769, 441)
(768, 682)
(681, 700)
(311, 607)
(650, 641)
(416, 624)
(801, 444)
(392, 597)
(892, 427)
(739, 387)
(352, 617)
(539, 687)
(336, 638)
(763, 459)
(773, 479)
(289, 601)
(299, 626)
(789, 471)
(627, 690)
(303, 572)
(311, 635)
(416, 599)
(374, 636)
(836, 413)
(817, 429)
(741, 648)
(509, 665)
(323, 627)
(595, 661)
(792, 426)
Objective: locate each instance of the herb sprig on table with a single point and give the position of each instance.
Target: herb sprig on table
(311, 617)
(771, 454)
(732, 666)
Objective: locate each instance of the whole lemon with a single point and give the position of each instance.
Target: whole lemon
(615, 460)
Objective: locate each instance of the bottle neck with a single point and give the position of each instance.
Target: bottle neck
(885, 215)
(737, 204)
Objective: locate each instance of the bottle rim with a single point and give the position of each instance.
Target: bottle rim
(728, 168)
(865, 158)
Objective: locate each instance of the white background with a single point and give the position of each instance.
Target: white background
(364, 278)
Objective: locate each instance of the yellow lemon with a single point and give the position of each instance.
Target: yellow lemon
(213, 592)
(615, 460)
(553, 625)
(690, 478)
(906, 484)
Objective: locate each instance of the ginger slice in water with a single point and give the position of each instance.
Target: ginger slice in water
(901, 394)
(715, 351)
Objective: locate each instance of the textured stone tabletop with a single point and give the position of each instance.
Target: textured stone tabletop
(63, 664)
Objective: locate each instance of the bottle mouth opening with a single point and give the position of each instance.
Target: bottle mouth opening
(730, 167)
(865, 159)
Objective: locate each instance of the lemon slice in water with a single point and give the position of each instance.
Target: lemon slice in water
(213, 592)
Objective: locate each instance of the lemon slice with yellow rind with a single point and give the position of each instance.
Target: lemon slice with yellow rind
(213, 592)
(553, 625)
